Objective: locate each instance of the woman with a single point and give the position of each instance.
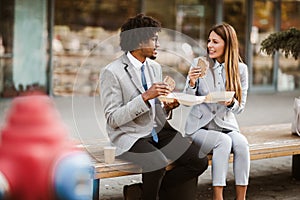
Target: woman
(213, 124)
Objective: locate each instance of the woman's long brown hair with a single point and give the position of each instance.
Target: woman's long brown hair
(231, 58)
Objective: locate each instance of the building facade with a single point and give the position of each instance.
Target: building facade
(60, 46)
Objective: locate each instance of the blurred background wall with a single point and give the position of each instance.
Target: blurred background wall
(60, 46)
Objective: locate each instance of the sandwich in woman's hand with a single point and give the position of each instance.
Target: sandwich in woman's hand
(203, 65)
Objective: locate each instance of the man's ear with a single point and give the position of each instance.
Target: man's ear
(141, 45)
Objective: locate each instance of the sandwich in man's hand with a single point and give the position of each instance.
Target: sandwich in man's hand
(170, 82)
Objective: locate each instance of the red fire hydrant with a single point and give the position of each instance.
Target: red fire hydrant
(38, 161)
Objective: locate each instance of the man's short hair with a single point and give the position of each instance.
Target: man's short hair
(136, 30)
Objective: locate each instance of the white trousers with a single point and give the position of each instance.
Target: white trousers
(221, 145)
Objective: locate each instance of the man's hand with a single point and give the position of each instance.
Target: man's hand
(157, 89)
(168, 106)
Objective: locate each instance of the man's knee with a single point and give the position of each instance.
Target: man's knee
(202, 164)
(198, 165)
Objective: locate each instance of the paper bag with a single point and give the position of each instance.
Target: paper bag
(296, 117)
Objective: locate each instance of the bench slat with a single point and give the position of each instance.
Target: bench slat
(267, 141)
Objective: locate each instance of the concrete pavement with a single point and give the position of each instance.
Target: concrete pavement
(269, 178)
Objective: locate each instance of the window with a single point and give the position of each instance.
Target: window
(289, 68)
(7, 88)
(80, 27)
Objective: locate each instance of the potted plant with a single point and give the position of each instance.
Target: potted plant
(287, 41)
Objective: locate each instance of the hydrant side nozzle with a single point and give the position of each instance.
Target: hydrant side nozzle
(4, 187)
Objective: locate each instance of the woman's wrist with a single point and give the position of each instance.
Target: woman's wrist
(231, 104)
(192, 84)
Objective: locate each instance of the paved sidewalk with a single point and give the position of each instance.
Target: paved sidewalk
(270, 179)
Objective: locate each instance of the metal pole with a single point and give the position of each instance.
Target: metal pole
(249, 46)
(219, 11)
(50, 39)
(276, 56)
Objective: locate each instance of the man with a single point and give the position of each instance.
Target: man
(136, 120)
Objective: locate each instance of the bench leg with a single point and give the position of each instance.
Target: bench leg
(96, 189)
(296, 167)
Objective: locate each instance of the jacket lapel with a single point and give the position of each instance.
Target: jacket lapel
(151, 72)
(129, 68)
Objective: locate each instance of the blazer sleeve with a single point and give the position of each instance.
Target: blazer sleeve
(237, 107)
(116, 111)
(188, 89)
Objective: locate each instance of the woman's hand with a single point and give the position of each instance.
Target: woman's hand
(227, 103)
(194, 74)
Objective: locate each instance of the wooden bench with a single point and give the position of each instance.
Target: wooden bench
(266, 141)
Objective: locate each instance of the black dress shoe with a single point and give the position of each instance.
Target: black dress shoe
(132, 192)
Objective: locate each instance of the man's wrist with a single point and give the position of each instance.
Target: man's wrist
(145, 97)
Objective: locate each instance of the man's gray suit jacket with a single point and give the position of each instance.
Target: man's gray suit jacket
(128, 117)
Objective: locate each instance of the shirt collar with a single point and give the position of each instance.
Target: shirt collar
(135, 62)
(217, 64)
